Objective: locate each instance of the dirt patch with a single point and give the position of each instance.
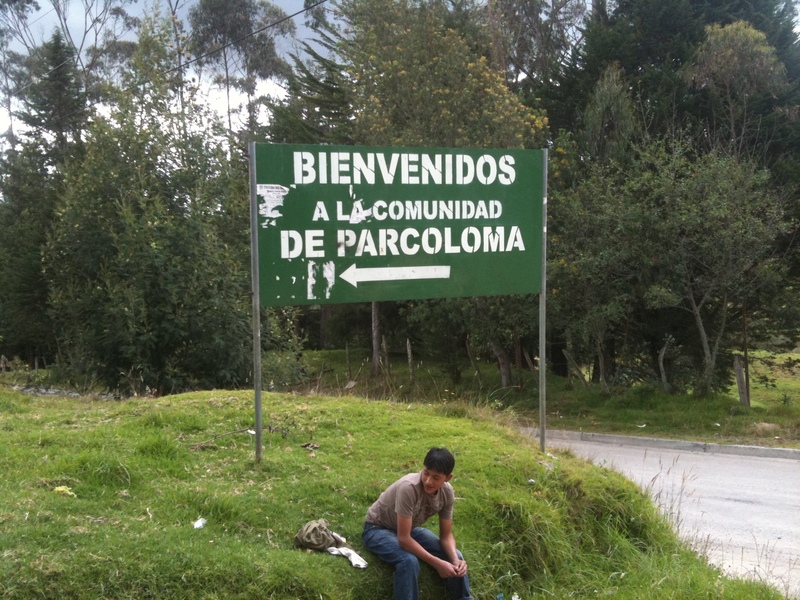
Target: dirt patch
(765, 429)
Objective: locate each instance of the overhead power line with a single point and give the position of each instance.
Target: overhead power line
(207, 54)
(244, 37)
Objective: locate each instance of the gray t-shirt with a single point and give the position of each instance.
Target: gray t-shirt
(407, 497)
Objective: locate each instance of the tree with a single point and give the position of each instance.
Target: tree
(738, 68)
(7, 85)
(14, 21)
(239, 39)
(26, 213)
(652, 41)
(53, 99)
(649, 40)
(55, 114)
(417, 82)
(105, 22)
(145, 292)
(535, 38)
(609, 123)
(718, 229)
(318, 107)
(776, 19)
(681, 235)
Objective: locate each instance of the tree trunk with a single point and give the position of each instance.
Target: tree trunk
(228, 91)
(531, 366)
(387, 366)
(746, 356)
(504, 362)
(474, 363)
(558, 363)
(744, 400)
(601, 366)
(410, 353)
(496, 36)
(517, 349)
(664, 379)
(574, 368)
(376, 340)
(709, 353)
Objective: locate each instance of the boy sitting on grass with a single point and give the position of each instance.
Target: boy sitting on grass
(392, 529)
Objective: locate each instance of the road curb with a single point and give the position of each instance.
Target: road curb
(703, 447)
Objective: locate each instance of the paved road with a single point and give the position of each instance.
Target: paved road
(741, 511)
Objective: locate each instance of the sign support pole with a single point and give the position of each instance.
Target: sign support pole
(256, 300)
(543, 316)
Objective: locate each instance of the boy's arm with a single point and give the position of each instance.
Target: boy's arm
(409, 544)
(448, 542)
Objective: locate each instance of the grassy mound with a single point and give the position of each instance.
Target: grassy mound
(99, 500)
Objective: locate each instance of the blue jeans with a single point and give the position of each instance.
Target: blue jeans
(383, 543)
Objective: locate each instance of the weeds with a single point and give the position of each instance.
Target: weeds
(641, 409)
(536, 526)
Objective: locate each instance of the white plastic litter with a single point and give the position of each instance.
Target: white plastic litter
(352, 556)
(200, 523)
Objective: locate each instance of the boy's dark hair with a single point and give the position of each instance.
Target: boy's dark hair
(440, 459)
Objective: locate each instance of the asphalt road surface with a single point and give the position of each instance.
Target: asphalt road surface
(741, 511)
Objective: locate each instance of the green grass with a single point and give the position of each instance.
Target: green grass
(773, 419)
(99, 498)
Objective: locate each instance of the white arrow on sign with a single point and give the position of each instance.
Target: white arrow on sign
(354, 275)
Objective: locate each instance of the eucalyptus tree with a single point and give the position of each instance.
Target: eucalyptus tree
(14, 33)
(7, 85)
(101, 24)
(238, 39)
(533, 40)
(104, 22)
(418, 82)
(14, 21)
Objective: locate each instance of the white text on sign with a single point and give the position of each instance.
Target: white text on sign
(405, 242)
(409, 168)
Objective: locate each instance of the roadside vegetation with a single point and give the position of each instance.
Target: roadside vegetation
(100, 498)
(673, 206)
(772, 419)
(673, 182)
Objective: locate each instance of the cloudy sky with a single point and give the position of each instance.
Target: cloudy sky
(44, 22)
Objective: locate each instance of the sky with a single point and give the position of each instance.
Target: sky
(44, 22)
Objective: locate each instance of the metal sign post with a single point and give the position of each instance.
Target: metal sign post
(543, 316)
(256, 300)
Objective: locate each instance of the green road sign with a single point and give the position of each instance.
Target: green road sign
(357, 224)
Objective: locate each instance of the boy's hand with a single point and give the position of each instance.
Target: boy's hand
(461, 568)
(446, 569)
